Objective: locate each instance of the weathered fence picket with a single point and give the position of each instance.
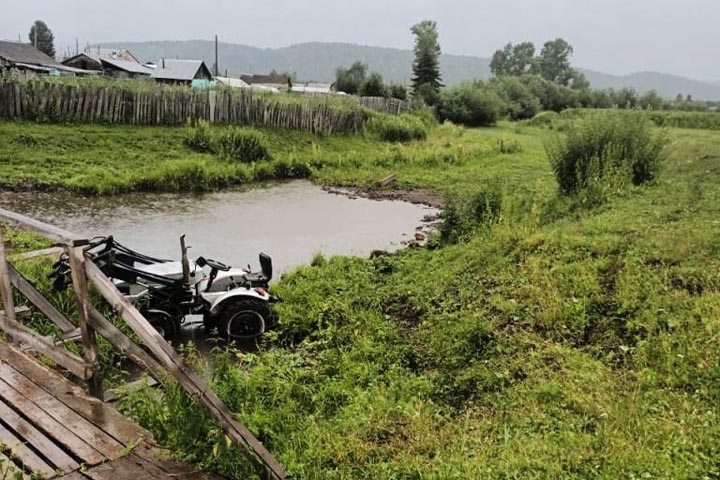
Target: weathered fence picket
(50, 102)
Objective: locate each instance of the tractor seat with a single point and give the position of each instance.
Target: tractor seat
(257, 279)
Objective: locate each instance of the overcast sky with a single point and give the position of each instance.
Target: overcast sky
(613, 36)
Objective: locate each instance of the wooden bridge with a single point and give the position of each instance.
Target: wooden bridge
(48, 426)
(51, 428)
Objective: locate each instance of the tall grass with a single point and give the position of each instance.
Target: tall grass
(695, 120)
(401, 128)
(620, 145)
(242, 145)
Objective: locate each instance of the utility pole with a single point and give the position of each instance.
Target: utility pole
(77, 46)
(217, 65)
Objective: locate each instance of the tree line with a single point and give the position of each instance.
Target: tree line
(525, 82)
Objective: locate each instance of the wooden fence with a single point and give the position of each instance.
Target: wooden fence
(55, 102)
(159, 360)
(392, 106)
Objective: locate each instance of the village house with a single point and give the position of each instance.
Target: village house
(313, 88)
(24, 59)
(273, 82)
(111, 62)
(183, 72)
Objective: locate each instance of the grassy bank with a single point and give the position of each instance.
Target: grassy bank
(114, 159)
(556, 338)
(558, 341)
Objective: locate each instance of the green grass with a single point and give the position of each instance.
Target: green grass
(553, 343)
(554, 340)
(114, 159)
(661, 118)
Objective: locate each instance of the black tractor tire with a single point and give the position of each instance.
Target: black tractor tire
(211, 322)
(243, 318)
(164, 324)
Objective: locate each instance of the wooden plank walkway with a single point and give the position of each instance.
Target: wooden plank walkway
(51, 428)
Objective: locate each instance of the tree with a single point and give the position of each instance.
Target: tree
(579, 81)
(515, 60)
(553, 64)
(397, 91)
(349, 80)
(373, 86)
(42, 38)
(523, 58)
(626, 97)
(426, 80)
(500, 62)
(651, 101)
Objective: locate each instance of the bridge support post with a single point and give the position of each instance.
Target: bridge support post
(5, 287)
(76, 258)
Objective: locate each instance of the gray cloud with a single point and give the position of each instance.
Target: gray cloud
(614, 36)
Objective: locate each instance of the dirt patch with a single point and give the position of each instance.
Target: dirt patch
(420, 196)
(430, 198)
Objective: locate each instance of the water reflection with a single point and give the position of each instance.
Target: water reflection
(290, 221)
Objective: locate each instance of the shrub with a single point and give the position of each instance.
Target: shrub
(508, 145)
(468, 213)
(242, 145)
(397, 128)
(551, 95)
(199, 138)
(544, 119)
(426, 116)
(398, 91)
(373, 86)
(473, 105)
(620, 144)
(520, 102)
(700, 120)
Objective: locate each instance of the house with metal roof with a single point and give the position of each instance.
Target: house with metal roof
(179, 72)
(111, 62)
(24, 59)
(276, 82)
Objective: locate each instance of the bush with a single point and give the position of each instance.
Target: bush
(613, 144)
(242, 145)
(544, 119)
(700, 120)
(479, 209)
(473, 105)
(520, 102)
(398, 91)
(373, 86)
(551, 95)
(199, 138)
(397, 128)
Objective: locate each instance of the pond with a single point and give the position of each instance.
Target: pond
(291, 222)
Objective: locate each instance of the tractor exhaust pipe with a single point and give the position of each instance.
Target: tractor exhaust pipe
(185, 262)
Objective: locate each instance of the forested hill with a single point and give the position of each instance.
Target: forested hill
(317, 61)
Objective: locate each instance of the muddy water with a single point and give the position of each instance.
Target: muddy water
(290, 221)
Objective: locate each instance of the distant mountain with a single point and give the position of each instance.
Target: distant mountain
(667, 85)
(317, 61)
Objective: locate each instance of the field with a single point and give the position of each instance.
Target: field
(557, 338)
(113, 159)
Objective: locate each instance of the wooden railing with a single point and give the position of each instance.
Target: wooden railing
(161, 359)
(51, 102)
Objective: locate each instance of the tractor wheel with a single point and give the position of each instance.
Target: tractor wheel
(164, 324)
(243, 318)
